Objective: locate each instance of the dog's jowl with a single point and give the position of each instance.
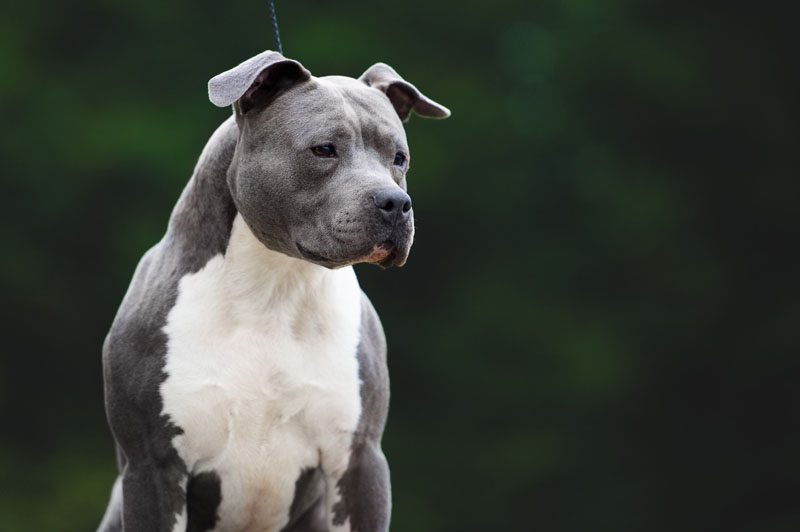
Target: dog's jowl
(245, 372)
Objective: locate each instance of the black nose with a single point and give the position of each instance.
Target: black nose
(393, 203)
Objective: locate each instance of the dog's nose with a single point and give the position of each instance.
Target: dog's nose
(393, 203)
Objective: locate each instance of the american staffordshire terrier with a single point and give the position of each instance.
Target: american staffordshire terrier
(245, 372)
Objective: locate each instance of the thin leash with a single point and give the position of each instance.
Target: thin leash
(275, 25)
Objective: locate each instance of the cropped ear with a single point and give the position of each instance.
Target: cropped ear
(404, 96)
(255, 82)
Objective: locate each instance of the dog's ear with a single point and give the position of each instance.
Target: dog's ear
(404, 96)
(256, 81)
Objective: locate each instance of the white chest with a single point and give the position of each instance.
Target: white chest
(262, 376)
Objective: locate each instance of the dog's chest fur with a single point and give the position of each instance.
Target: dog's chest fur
(262, 376)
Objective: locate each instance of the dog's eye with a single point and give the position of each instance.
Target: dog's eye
(326, 150)
(399, 159)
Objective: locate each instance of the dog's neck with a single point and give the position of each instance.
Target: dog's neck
(200, 224)
(205, 224)
(258, 279)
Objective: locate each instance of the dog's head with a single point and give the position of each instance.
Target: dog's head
(319, 171)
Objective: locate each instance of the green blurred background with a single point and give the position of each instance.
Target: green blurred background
(597, 327)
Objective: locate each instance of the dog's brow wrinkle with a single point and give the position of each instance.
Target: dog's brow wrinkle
(350, 115)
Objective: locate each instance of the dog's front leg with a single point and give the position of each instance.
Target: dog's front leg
(363, 502)
(153, 475)
(365, 495)
(154, 496)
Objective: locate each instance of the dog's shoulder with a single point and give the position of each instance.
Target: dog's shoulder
(136, 329)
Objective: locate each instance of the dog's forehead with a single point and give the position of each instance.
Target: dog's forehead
(348, 95)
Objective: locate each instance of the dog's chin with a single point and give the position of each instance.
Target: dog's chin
(384, 255)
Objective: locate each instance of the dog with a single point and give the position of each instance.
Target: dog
(245, 372)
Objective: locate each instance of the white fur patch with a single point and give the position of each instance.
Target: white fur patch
(180, 521)
(262, 376)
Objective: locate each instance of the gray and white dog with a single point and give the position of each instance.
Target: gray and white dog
(245, 372)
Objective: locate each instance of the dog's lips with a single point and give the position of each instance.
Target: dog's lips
(384, 255)
(391, 260)
(379, 254)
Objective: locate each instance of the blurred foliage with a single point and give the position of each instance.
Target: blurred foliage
(597, 329)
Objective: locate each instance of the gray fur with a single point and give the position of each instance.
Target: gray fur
(259, 163)
(365, 490)
(308, 512)
(226, 88)
(203, 496)
(404, 96)
(321, 209)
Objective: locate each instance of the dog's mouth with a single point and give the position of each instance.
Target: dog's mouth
(384, 255)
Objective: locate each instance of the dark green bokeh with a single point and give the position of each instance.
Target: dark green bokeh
(597, 328)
